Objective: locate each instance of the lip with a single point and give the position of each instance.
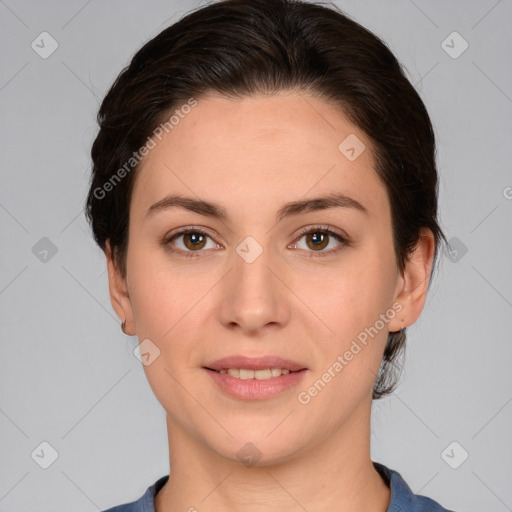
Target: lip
(254, 389)
(255, 363)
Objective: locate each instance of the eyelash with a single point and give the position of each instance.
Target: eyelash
(306, 231)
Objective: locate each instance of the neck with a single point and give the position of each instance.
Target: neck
(336, 474)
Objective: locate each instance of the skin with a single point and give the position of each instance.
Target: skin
(252, 156)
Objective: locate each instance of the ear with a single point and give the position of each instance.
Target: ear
(119, 293)
(413, 283)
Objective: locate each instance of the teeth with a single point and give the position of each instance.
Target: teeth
(262, 374)
(245, 374)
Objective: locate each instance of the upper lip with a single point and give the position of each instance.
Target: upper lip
(255, 363)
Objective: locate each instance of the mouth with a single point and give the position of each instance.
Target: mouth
(248, 373)
(259, 378)
(255, 363)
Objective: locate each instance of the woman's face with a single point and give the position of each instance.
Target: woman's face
(250, 285)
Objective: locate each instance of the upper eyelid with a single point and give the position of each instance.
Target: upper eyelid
(322, 227)
(188, 229)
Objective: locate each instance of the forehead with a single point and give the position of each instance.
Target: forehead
(260, 150)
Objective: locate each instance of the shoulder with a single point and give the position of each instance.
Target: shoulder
(145, 503)
(402, 497)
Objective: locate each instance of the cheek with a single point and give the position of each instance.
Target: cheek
(164, 307)
(168, 305)
(356, 294)
(160, 294)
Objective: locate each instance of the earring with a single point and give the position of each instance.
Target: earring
(123, 325)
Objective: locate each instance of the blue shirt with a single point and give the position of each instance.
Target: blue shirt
(402, 498)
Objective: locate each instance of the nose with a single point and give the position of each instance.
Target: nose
(254, 293)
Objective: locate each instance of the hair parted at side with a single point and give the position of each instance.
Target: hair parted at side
(243, 47)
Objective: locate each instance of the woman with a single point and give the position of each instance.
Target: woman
(265, 190)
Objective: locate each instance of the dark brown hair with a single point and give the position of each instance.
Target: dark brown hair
(243, 47)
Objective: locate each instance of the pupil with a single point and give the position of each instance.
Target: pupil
(315, 235)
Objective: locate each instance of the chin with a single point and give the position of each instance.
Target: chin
(257, 449)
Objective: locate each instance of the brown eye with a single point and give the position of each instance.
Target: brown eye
(318, 239)
(189, 242)
(194, 240)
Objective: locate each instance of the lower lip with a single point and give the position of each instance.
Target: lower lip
(254, 389)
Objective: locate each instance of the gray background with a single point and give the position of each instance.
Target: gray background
(68, 375)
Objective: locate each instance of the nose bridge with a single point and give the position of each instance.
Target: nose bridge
(253, 296)
(253, 278)
(251, 266)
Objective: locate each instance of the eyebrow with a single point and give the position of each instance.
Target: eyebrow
(209, 209)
